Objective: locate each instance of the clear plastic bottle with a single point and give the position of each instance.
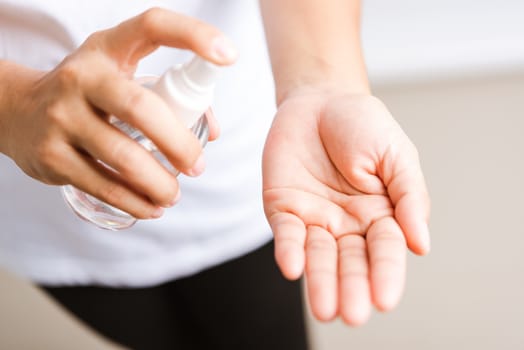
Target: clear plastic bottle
(188, 90)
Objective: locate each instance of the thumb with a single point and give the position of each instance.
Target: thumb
(137, 37)
(409, 195)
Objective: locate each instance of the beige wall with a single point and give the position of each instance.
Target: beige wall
(467, 293)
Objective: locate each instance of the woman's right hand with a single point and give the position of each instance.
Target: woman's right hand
(54, 125)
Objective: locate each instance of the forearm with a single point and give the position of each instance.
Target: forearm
(313, 42)
(16, 80)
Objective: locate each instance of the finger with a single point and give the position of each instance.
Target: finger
(93, 178)
(412, 215)
(409, 195)
(140, 35)
(290, 236)
(387, 260)
(310, 207)
(321, 273)
(146, 111)
(135, 164)
(355, 295)
(214, 128)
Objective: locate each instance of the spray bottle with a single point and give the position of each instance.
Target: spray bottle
(188, 90)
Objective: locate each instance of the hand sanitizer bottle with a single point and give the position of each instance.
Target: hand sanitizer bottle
(188, 90)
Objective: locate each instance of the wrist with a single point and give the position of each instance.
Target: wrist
(332, 87)
(16, 82)
(340, 77)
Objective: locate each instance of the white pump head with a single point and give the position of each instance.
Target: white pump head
(200, 73)
(188, 88)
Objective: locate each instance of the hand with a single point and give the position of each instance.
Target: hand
(58, 124)
(343, 193)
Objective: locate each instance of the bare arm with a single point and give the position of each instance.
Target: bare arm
(314, 42)
(343, 189)
(15, 82)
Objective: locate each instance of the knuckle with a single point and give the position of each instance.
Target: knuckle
(385, 238)
(46, 175)
(126, 156)
(56, 114)
(150, 19)
(129, 163)
(320, 269)
(388, 262)
(318, 245)
(50, 154)
(133, 102)
(351, 243)
(355, 269)
(68, 74)
(113, 193)
(94, 39)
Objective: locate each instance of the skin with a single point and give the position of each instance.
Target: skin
(64, 114)
(343, 187)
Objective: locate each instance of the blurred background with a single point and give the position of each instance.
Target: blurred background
(452, 73)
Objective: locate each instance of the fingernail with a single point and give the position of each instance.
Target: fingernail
(176, 200)
(157, 213)
(199, 167)
(223, 49)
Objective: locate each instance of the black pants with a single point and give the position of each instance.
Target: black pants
(242, 304)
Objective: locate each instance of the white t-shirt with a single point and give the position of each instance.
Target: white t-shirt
(220, 215)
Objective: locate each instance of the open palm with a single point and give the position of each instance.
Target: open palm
(344, 193)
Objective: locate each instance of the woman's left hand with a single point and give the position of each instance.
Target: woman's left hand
(344, 193)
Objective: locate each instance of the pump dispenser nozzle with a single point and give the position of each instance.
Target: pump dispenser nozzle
(188, 88)
(199, 73)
